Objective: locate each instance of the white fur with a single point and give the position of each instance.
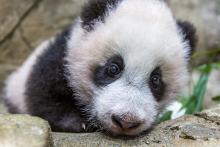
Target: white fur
(145, 34)
(120, 98)
(16, 82)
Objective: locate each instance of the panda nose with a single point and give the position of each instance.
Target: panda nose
(126, 121)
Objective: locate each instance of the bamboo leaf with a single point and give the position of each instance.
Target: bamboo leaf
(166, 116)
(200, 93)
(206, 68)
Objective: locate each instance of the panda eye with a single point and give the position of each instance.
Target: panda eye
(156, 84)
(113, 70)
(155, 81)
(110, 72)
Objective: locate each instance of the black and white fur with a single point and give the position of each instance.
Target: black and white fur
(64, 80)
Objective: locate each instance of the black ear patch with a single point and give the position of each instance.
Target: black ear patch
(189, 33)
(95, 10)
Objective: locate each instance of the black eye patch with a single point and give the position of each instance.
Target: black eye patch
(156, 84)
(110, 72)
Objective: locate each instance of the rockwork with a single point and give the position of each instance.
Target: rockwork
(201, 129)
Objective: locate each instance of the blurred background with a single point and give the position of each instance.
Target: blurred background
(24, 24)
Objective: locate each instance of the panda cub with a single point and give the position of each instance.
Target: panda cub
(114, 70)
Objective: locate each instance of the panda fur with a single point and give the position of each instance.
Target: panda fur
(66, 80)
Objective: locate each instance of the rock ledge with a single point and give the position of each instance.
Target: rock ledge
(201, 129)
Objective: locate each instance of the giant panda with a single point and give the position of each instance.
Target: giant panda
(113, 70)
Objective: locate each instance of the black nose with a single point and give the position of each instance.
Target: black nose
(126, 121)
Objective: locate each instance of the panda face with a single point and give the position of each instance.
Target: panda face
(129, 67)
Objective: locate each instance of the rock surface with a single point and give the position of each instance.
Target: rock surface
(24, 131)
(3, 109)
(202, 129)
(205, 15)
(26, 23)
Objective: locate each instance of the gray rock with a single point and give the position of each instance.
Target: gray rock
(205, 15)
(202, 129)
(24, 131)
(190, 131)
(3, 109)
(26, 23)
(211, 114)
(12, 14)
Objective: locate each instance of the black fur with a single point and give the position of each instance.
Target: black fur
(189, 33)
(10, 107)
(101, 78)
(159, 91)
(95, 10)
(48, 94)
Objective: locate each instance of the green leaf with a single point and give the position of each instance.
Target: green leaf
(195, 102)
(166, 116)
(217, 98)
(190, 108)
(206, 68)
(200, 90)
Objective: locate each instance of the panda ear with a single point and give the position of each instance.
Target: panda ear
(95, 11)
(189, 34)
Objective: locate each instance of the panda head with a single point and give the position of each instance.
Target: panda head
(126, 61)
